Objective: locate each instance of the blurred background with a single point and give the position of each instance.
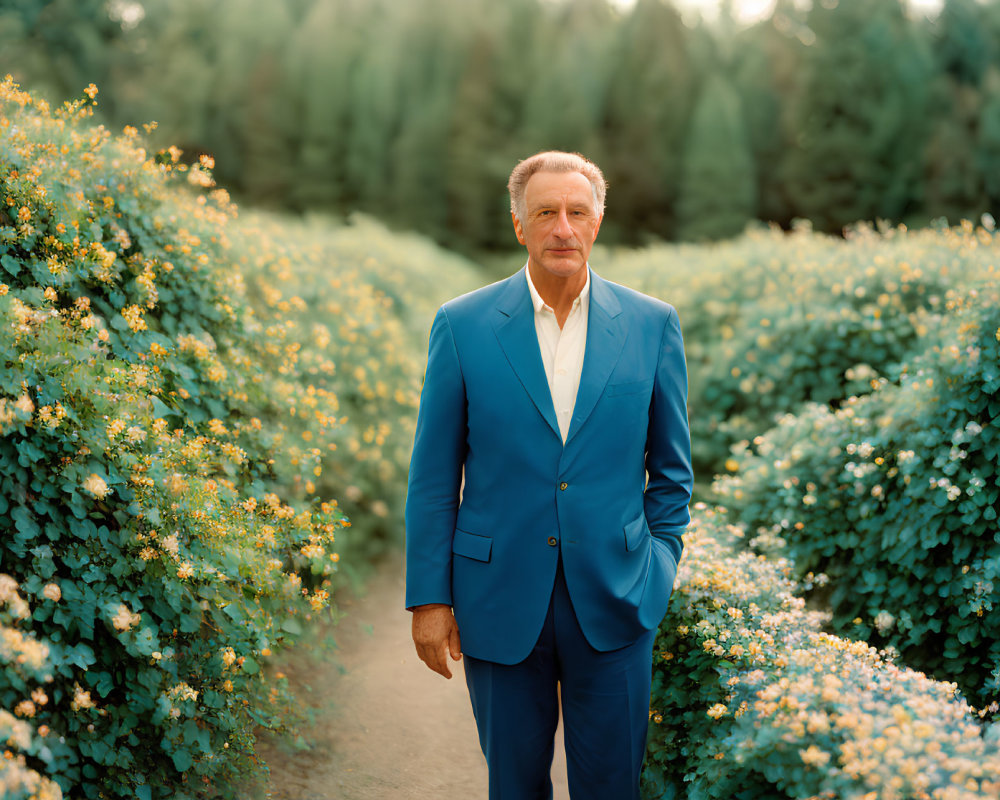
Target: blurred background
(704, 114)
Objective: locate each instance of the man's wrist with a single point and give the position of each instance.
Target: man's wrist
(428, 606)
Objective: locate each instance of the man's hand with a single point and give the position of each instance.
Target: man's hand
(435, 633)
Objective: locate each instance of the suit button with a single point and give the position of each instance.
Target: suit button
(553, 541)
(563, 486)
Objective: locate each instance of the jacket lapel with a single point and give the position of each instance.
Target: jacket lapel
(514, 325)
(605, 341)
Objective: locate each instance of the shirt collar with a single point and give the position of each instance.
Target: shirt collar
(536, 298)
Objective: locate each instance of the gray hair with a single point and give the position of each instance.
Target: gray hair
(554, 161)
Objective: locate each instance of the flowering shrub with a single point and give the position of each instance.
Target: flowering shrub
(349, 307)
(751, 699)
(25, 660)
(772, 320)
(181, 390)
(894, 496)
(141, 496)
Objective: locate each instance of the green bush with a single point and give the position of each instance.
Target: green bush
(895, 497)
(182, 386)
(751, 699)
(773, 320)
(25, 660)
(140, 493)
(351, 307)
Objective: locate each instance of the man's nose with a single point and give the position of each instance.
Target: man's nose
(563, 229)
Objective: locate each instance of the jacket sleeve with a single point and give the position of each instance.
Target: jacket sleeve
(668, 446)
(434, 486)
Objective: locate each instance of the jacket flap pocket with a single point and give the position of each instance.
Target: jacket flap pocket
(472, 545)
(635, 532)
(632, 387)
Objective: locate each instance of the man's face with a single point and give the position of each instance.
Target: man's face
(560, 222)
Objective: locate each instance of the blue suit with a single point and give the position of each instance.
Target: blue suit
(533, 506)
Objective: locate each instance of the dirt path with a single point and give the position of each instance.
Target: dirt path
(386, 726)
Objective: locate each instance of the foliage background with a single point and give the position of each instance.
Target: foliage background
(834, 111)
(846, 385)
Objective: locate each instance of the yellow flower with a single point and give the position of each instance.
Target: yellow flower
(319, 599)
(185, 570)
(135, 434)
(133, 316)
(171, 545)
(228, 656)
(718, 710)
(25, 709)
(96, 486)
(217, 427)
(91, 91)
(115, 428)
(52, 592)
(4, 288)
(813, 756)
(81, 699)
(125, 619)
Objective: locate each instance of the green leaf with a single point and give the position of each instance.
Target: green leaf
(292, 626)
(182, 760)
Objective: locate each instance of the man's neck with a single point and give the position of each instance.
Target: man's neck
(557, 292)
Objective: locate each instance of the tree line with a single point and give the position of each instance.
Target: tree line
(848, 110)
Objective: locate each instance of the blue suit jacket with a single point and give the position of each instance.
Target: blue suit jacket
(490, 550)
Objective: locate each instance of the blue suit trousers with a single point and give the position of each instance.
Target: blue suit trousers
(605, 706)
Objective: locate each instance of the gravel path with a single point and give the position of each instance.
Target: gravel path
(386, 726)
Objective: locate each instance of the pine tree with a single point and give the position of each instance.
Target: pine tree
(652, 76)
(321, 55)
(766, 62)
(717, 179)
(988, 141)
(860, 113)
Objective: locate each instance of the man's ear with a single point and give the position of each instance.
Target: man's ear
(519, 232)
(597, 227)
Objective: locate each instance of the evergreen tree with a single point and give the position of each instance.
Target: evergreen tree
(57, 47)
(988, 141)
(321, 59)
(651, 85)
(766, 62)
(963, 46)
(429, 75)
(374, 101)
(565, 94)
(476, 199)
(174, 85)
(860, 115)
(953, 178)
(717, 179)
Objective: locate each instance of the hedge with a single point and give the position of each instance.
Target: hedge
(772, 319)
(752, 699)
(895, 497)
(185, 389)
(350, 307)
(25, 660)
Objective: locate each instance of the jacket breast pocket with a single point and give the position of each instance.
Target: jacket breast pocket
(472, 545)
(631, 387)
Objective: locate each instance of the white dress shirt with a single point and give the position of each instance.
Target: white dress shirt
(562, 349)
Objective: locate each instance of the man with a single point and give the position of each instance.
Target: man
(560, 399)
